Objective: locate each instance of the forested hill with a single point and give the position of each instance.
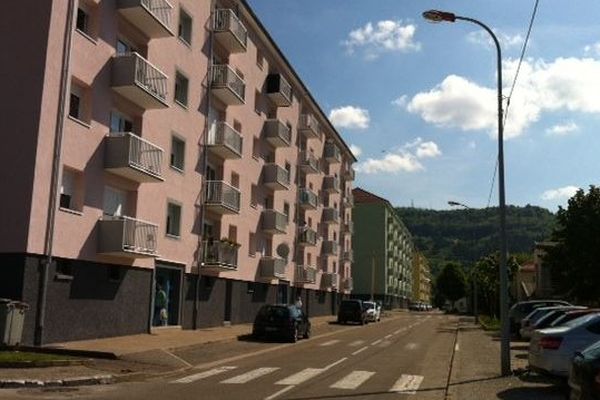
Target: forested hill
(465, 235)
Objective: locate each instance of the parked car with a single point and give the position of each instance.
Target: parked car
(547, 320)
(571, 315)
(551, 350)
(282, 321)
(352, 311)
(536, 317)
(521, 309)
(373, 311)
(584, 376)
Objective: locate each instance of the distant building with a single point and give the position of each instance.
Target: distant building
(383, 249)
(525, 282)
(421, 279)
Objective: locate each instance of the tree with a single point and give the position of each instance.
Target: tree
(575, 259)
(451, 283)
(486, 273)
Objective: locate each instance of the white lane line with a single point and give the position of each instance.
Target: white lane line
(375, 343)
(249, 376)
(407, 384)
(399, 331)
(330, 343)
(341, 360)
(456, 347)
(388, 336)
(360, 350)
(300, 377)
(352, 380)
(356, 343)
(282, 391)
(205, 374)
(385, 343)
(177, 358)
(411, 346)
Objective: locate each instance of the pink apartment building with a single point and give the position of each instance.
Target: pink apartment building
(163, 165)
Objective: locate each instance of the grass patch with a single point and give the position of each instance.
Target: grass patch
(19, 356)
(489, 323)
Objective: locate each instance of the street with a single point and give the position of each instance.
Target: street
(409, 354)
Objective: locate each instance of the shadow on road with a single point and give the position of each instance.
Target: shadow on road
(533, 393)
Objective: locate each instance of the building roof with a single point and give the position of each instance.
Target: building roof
(362, 196)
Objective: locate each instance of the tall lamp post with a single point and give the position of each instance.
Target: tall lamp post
(474, 281)
(442, 16)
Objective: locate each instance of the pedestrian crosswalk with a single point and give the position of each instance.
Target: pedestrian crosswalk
(353, 380)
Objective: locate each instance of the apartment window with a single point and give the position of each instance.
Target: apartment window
(79, 108)
(260, 59)
(83, 21)
(185, 27)
(71, 197)
(181, 89)
(120, 122)
(257, 102)
(252, 244)
(286, 211)
(253, 196)
(177, 153)
(173, 219)
(256, 148)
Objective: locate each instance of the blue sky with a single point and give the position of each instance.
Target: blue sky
(417, 100)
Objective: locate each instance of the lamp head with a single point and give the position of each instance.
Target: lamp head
(439, 16)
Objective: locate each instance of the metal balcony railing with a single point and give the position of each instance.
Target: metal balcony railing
(348, 256)
(274, 222)
(349, 227)
(306, 274)
(275, 177)
(330, 279)
(330, 248)
(133, 157)
(124, 236)
(153, 17)
(225, 78)
(332, 153)
(277, 133)
(308, 237)
(331, 216)
(308, 199)
(308, 162)
(331, 184)
(348, 284)
(226, 141)
(279, 90)
(227, 22)
(220, 254)
(272, 268)
(222, 194)
(131, 69)
(309, 125)
(161, 9)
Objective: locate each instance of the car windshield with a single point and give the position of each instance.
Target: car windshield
(580, 321)
(274, 312)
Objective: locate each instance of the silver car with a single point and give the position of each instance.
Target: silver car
(373, 311)
(551, 350)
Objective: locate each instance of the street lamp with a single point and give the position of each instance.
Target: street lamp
(473, 280)
(442, 16)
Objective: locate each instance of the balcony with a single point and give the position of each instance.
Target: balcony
(332, 153)
(220, 255)
(330, 248)
(272, 268)
(348, 200)
(348, 256)
(136, 79)
(331, 184)
(229, 31)
(349, 227)
(277, 133)
(347, 284)
(306, 274)
(307, 238)
(275, 177)
(308, 163)
(279, 90)
(330, 280)
(349, 174)
(222, 198)
(227, 86)
(330, 216)
(132, 157)
(274, 222)
(152, 17)
(308, 199)
(309, 126)
(127, 237)
(225, 142)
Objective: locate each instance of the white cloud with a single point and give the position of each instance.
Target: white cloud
(400, 101)
(383, 36)
(404, 159)
(592, 49)
(506, 41)
(560, 194)
(562, 129)
(565, 84)
(356, 151)
(350, 117)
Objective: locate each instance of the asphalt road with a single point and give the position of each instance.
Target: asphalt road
(407, 356)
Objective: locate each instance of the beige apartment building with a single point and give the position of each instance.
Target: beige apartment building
(167, 167)
(421, 279)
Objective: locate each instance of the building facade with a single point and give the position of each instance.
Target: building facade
(421, 283)
(383, 249)
(172, 169)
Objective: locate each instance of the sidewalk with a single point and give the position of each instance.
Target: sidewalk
(476, 370)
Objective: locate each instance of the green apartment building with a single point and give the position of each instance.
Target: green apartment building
(383, 251)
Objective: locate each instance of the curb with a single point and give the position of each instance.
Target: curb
(107, 355)
(42, 364)
(69, 382)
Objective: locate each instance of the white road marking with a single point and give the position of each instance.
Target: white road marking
(411, 346)
(385, 343)
(360, 350)
(375, 343)
(352, 380)
(356, 343)
(330, 343)
(282, 391)
(205, 374)
(456, 347)
(341, 360)
(388, 336)
(301, 376)
(248, 376)
(407, 384)
(399, 331)
(177, 358)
